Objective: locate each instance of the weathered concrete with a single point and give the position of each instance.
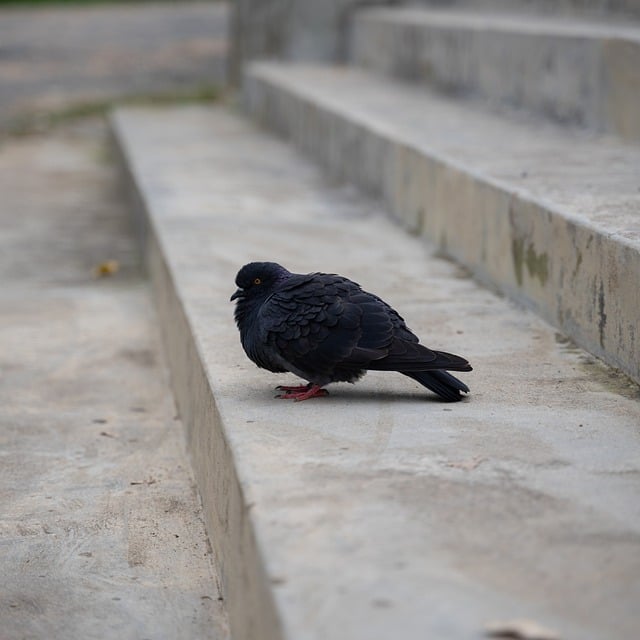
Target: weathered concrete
(309, 30)
(101, 528)
(621, 8)
(576, 72)
(548, 217)
(54, 57)
(378, 512)
(291, 30)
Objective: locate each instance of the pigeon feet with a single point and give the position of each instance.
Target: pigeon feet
(296, 389)
(301, 392)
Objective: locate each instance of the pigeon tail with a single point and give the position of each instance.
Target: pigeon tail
(448, 387)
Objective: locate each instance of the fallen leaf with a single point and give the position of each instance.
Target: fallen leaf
(520, 629)
(106, 268)
(106, 434)
(466, 465)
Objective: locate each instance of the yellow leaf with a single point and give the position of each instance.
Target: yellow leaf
(106, 268)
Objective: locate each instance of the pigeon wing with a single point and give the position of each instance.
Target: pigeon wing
(404, 353)
(315, 324)
(327, 326)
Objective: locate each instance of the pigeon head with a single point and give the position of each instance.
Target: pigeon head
(256, 280)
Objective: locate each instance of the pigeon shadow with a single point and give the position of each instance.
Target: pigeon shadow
(346, 395)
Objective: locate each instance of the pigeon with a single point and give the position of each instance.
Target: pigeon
(325, 328)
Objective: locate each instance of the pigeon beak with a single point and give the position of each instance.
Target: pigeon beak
(238, 294)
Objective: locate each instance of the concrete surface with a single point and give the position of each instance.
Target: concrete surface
(290, 29)
(54, 57)
(101, 529)
(308, 30)
(622, 8)
(547, 216)
(576, 72)
(379, 512)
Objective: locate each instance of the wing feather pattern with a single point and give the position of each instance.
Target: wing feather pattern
(328, 327)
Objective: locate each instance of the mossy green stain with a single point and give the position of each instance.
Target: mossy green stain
(517, 252)
(537, 264)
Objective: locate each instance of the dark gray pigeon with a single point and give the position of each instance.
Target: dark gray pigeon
(325, 328)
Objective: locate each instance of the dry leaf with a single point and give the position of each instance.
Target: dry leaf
(466, 465)
(520, 629)
(106, 268)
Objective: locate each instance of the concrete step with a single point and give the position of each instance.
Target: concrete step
(102, 532)
(600, 8)
(379, 512)
(550, 218)
(576, 72)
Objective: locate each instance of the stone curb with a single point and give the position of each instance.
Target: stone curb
(245, 587)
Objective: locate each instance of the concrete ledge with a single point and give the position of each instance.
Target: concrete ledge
(378, 512)
(584, 73)
(622, 9)
(548, 217)
(308, 30)
(245, 586)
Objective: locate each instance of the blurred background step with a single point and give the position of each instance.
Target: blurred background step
(548, 217)
(594, 8)
(307, 30)
(578, 72)
(73, 57)
(378, 512)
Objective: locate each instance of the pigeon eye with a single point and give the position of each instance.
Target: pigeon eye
(257, 281)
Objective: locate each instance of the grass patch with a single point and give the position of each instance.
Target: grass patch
(43, 121)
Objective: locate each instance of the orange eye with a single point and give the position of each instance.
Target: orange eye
(257, 281)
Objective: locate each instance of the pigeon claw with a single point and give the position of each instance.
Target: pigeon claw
(302, 392)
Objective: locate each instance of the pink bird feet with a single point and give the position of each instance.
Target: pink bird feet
(301, 392)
